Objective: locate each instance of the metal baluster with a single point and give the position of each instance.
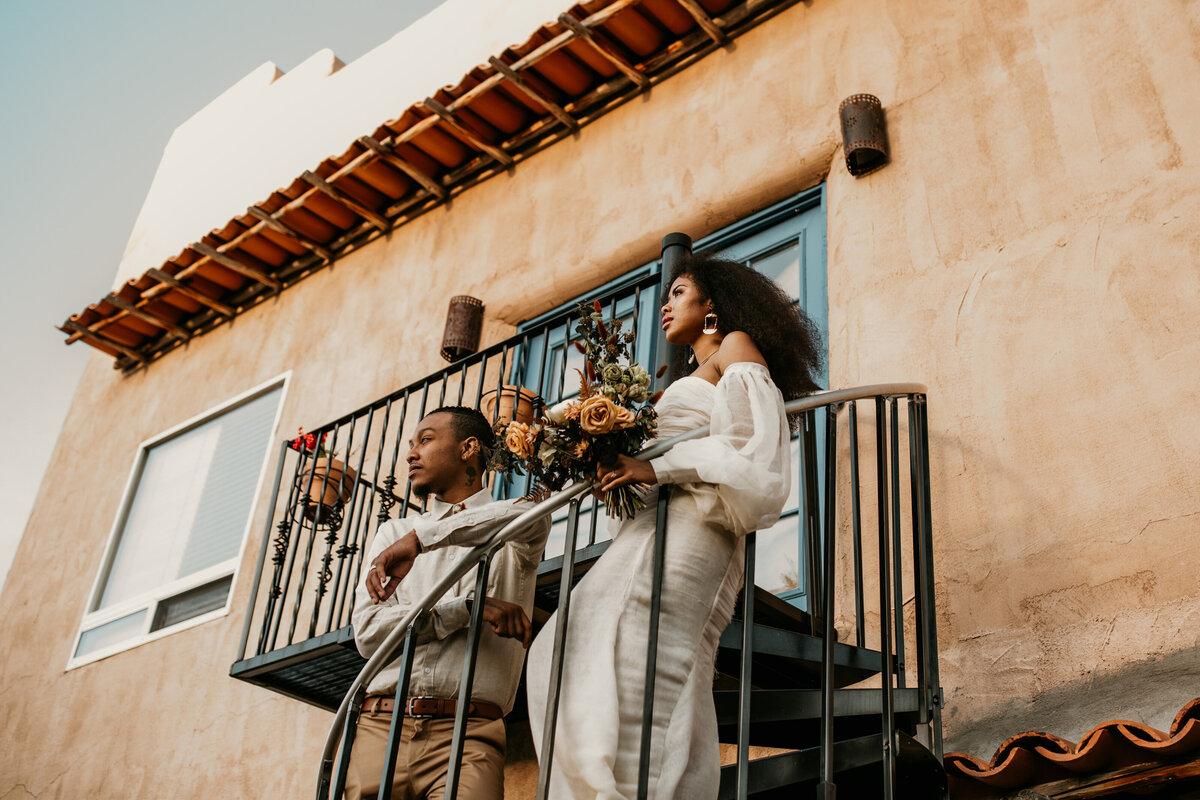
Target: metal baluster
(885, 614)
(349, 524)
(826, 787)
(467, 683)
(283, 569)
(396, 728)
(262, 551)
(919, 577)
(935, 684)
(897, 551)
(660, 547)
(334, 525)
(745, 681)
(305, 497)
(349, 730)
(408, 486)
(812, 524)
(441, 391)
(386, 501)
(593, 518)
(560, 646)
(860, 638)
(361, 530)
(462, 383)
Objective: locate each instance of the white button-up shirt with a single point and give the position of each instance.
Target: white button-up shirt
(442, 638)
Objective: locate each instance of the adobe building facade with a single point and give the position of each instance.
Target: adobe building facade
(1029, 254)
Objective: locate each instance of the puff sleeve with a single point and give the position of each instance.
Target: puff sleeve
(741, 471)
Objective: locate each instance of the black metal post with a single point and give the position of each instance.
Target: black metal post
(262, 551)
(285, 538)
(349, 525)
(556, 659)
(935, 683)
(885, 601)
(674, 247)
(897, 551)
(826, 789)
(660, 548)
(860, 638)
(812, 521)
(396, 729)
(745, 685)
(467, 683)
(349, 729)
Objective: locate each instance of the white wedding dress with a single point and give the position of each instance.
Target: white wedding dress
(722, 486)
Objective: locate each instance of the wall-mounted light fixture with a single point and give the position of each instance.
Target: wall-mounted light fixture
(864, 134)
(464, 321)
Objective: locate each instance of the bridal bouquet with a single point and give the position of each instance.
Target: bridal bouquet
(612, 415)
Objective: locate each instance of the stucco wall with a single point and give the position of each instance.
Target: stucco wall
(1030, 255)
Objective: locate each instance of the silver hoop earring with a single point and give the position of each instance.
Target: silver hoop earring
(710, 323)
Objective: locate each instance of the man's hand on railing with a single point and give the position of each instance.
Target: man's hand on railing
(390, 567)
(508, 620)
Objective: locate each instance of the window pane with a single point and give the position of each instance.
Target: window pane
(193, 603)
(783, 266)
(192, 499)
(110, 633)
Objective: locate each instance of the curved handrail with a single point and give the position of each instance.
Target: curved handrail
(387, 649)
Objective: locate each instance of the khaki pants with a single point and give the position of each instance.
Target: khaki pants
(423, 759)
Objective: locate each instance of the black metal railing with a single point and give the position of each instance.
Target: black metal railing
(322, 508)
(897, 695)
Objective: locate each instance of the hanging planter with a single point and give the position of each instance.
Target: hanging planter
(332, 485)
(515, 404)
(328, 482)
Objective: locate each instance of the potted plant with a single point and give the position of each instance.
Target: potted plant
(330, 482)
(516, 403)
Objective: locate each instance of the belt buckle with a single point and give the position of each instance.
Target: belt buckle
(413, 713)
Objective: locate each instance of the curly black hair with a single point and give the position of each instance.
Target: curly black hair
(746, 300)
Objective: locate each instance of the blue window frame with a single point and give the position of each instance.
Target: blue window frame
(785, 241)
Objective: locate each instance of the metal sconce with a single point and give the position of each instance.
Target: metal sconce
(464, 321)
(864, 134)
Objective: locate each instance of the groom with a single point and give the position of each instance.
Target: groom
(408, 556)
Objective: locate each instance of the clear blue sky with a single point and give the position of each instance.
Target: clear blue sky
(89, 93)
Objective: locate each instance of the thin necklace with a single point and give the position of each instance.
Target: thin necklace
(706, 358)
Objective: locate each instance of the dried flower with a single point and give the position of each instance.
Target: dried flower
(625, 419)
(559, 412)
(519, 439)
(597, 415)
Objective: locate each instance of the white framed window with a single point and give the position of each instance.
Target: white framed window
(177, 541)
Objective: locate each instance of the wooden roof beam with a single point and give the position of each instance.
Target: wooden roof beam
(229, 262)
(279, 226)
(518, 83)
(184, 289)
(705, 21)
(87, 333)
(618, 61)
(389, 155)
(461, 132)
(129, 308)
(337, 195)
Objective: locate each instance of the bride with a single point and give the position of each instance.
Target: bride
(751, 347)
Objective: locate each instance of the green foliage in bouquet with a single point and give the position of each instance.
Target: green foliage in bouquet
(613, 415)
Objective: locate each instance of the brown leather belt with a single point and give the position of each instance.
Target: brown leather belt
(430, 707)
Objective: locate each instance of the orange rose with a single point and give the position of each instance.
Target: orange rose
(625, 419)
(518, 439)
(598, 414)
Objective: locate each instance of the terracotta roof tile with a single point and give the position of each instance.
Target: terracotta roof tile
(1035, 757)
(413, 164)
